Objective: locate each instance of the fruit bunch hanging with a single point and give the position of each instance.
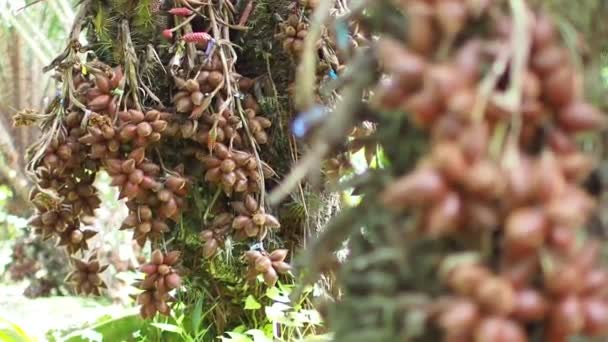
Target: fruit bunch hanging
(183, 149)
(483, 237)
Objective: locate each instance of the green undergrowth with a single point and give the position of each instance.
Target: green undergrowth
(272, 318)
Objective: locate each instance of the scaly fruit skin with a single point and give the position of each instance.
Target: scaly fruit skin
(268, 265)
(86, 278)
(236, 172)
(252, 220)
(218, 124)
(160, 279)
(215, 235)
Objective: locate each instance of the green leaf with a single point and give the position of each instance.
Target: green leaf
(277, 295)
(276, 311)
(235, 337)
(11, 332)
(268, 329)
(239, 329)
(115, 329)
(168, 327)
(197, 314)
(251, 303)
(91, 335)
(285, 288)
(273, 293)
(10, 336)
(180, 319)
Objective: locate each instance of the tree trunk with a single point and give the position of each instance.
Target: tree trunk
(14, 141)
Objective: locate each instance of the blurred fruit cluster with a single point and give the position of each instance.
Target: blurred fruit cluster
(516, 84)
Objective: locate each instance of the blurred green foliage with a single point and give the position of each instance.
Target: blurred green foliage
(11, 332)
(282, 321)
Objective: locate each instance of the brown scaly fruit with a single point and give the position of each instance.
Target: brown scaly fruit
(252, 220)
(268, 265)
(86, 277)
(161, 277)
(101, 98)
(214, 236)
(75, 239)
(140, 128)
(233, 170)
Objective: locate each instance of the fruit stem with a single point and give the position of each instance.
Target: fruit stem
(210, 206)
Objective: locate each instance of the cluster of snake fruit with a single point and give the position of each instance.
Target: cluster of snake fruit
(499, 167)
(96, 124)
(219, 115)
(93, 134)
